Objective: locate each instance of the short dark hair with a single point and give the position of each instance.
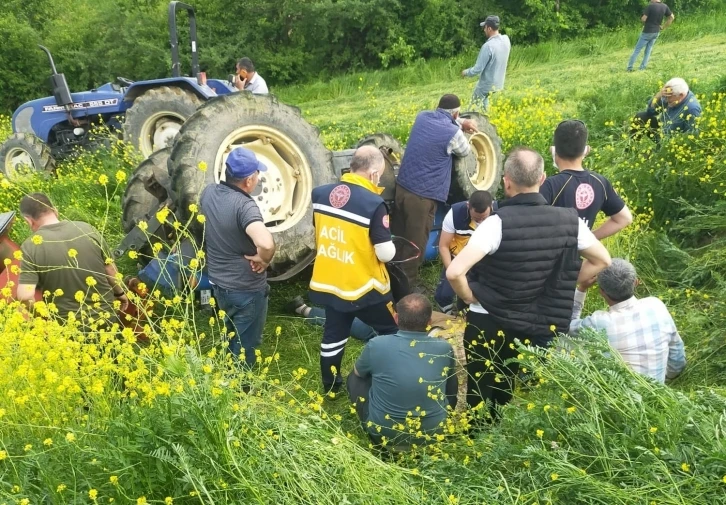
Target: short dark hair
(570, 139)
(231, 179)
(365, 158)
(246, 64)
(480, 201)
(414, 312)
(36, 205)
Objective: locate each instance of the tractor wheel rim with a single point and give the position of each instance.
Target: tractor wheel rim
(158, 131)
(485, 172)
(16, 158)
(283, 191)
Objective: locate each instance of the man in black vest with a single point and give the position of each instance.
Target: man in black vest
(523, 263)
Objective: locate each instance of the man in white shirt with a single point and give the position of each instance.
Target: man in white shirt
(248, 79)
(518, 272)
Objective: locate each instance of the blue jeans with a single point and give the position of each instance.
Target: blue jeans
(359, 330)
(647, 41)
(444, 295)
(245, 315)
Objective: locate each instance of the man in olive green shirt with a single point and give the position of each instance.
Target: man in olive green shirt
(69, 262)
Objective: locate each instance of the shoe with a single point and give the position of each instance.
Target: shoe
(295, 304)
(630, 70)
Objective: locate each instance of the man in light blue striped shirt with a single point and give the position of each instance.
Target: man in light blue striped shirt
(642, 331)
(491, 64)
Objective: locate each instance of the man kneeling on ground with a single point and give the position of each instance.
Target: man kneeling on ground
(673, 109)
(642, 331)
(403, 384)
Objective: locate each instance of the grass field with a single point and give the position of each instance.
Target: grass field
(588, 431)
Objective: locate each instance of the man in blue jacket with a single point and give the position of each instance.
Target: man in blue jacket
(674, 109)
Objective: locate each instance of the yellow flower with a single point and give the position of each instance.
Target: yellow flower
(3, 455)
(143, 225)
(113, 479)
(168, 500)
(201, 218)
(18, 255)
(27, 447)
(141, 500)
(90, 281)
(193, 208)
(133, 255)
(685, 467)
(546, 408)
(58, 292)
(48, 442)
(72, 253)
(278, 331)
(37, 239)
(552, 328)
(724, 479)
(103, 179)
(60, 488)
(120, 176)
(92, 494)
(554, 476)
(70, 437)
(653, 429)
(530, 406)
(162, 214)
(571, 410)
(202, 165)
(540, 433)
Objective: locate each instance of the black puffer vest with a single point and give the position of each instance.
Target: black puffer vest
(528, 284)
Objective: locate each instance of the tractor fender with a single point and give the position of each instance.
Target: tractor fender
(138, 88)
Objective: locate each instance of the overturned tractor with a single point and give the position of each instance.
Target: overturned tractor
(297, 162)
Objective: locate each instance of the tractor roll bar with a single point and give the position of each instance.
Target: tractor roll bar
(174, 38)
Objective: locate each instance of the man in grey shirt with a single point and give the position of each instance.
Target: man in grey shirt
(239, 249)
(491, 64)
(247, 79)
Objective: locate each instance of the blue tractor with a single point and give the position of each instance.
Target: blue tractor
(150, 113)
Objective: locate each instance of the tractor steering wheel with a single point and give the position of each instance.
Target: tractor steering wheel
(123, 80)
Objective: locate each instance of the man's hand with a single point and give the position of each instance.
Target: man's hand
(257, 264)
(463, 73)
(239, 83)
(587, 284)
(124, 300)
(469, 126)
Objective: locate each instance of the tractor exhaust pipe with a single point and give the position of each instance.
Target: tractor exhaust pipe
(61, 91)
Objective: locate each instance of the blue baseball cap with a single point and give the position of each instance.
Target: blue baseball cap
(242, 163)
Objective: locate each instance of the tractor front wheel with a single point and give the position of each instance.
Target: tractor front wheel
(25, 151)
(156, 117)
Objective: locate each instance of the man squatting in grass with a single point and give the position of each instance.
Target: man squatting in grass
(583, 190)
(642, 331)
(517, 273)
(673, 109)
(403, 384)
(491, 64)
(239, 249)
(353, 242)
(65, 258)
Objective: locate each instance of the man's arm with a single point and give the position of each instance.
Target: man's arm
(676, 355)
(26, 294)
(380, 234)
(362, 367)
(482, 61)
(459, 145)
(265, 244)
(116, 285)
(643, 18)
(668, 22)
(485, 240)
(614, 224)
(597, 259)
(444, 248)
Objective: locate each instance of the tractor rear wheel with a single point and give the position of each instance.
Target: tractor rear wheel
(25, 151)
(290, 148)
(482, 168)
(156, 117)
(137, 201)
(392, 152)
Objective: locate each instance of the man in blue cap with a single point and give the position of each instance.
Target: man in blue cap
(238, 249)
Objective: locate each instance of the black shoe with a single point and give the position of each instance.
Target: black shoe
(295, 304)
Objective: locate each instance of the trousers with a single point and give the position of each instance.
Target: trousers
(412, 219)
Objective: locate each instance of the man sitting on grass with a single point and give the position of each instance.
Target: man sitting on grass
(642, 331)
(403, 384)
(673, 109)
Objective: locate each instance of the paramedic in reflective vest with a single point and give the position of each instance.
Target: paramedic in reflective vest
(522, 263)
(459, 223)
(353, 243)
(425, 176)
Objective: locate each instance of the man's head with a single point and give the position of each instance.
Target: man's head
(480, 206)
(523, 171)
(570, 141)
(618, 281)
(451, 104)
(490, 26)
(413, 313)
(245, 68)
(675, 91)
(37, 210)
(368, 162)
(243, 169)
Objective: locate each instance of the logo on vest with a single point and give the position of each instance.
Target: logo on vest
(584, 196)
(339, 196)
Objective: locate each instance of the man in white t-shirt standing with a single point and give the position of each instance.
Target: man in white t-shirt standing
(518, 272)
(248, 79)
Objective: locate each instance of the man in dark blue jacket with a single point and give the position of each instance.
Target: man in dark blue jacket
(674, 109)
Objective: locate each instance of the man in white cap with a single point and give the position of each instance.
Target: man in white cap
(491, 64)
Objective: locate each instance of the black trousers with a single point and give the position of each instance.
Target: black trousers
(337, 330)
(487, 347)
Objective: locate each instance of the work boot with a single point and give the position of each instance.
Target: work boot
(295, 306)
